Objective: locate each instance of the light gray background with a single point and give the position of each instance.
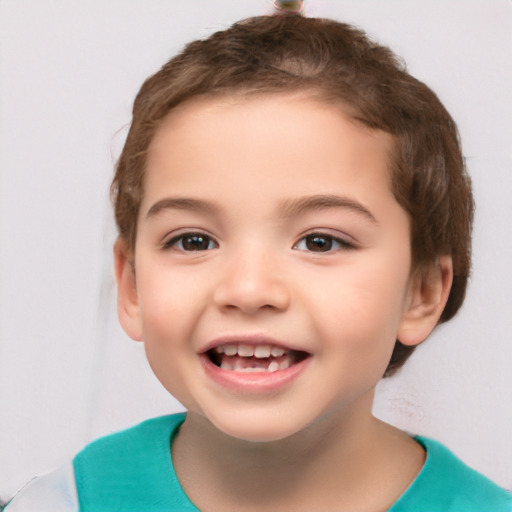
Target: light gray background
(69, 71)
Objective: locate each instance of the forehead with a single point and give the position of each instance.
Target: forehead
(259, 109)
(270, 137)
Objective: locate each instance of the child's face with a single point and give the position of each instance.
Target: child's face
(268, 224)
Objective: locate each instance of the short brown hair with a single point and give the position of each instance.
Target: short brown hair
(339, 64)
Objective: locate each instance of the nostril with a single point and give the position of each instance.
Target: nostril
(251, 295)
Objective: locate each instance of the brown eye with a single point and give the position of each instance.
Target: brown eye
(191, 242)
(196, 243)
(319, 242)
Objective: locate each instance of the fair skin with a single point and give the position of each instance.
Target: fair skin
(268, 224)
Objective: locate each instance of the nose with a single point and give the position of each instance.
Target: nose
(252, 281)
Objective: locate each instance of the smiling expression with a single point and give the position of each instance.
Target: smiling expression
(272, 263)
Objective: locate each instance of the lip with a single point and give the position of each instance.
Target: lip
(253, 382)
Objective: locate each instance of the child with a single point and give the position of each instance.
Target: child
(294, 219)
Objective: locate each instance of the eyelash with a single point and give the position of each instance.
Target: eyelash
(325, 243)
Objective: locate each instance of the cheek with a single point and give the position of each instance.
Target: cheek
(169, 299)
(362, 306)
(167, 331)
(170, 308)
(360, 333)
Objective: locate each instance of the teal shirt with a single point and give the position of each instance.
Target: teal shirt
(132, 471)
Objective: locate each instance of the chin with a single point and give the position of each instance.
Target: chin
(258, 435)
(256, 427)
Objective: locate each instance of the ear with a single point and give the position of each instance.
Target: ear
(128, 308)
(427, 297)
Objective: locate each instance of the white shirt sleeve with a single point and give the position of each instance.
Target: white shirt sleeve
(52, 492)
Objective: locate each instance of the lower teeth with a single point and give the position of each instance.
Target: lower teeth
(274, 366)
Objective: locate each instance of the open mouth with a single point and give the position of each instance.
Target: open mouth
(254, 358)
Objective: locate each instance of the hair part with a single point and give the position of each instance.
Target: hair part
(339, 64)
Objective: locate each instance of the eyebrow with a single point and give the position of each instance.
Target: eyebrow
(302, 205)
(181, 203)
(290, 208)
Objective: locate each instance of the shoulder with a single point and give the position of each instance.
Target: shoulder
(446, 483)
(131, 470)
(132, 442)
(128, 471)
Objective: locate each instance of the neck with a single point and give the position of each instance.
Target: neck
(307, 446)
(336, 459)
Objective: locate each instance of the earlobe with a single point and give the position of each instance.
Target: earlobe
(427, 298)
(128, 308)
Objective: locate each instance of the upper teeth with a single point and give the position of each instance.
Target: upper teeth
(258, 351)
